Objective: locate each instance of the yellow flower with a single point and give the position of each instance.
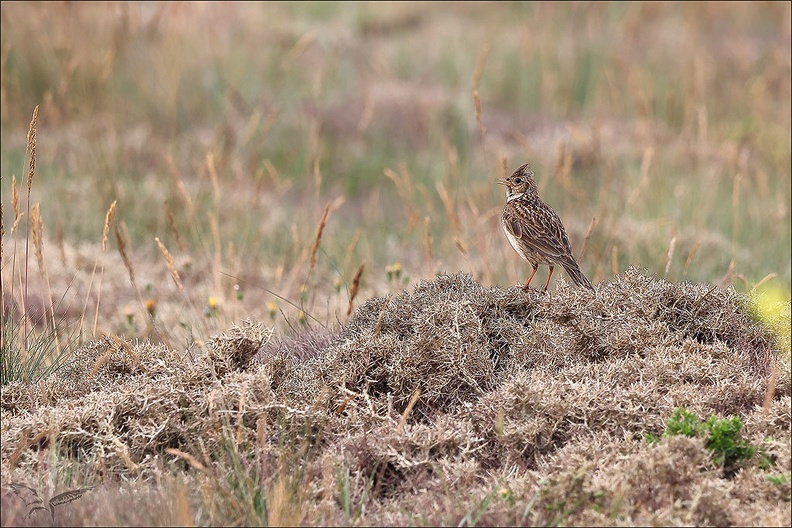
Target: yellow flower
(151, 306)
(393, 271)
(272, 307)
(212, 306)
(771, 305)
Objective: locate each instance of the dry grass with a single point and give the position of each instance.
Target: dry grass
(456, 395)
(216, 135)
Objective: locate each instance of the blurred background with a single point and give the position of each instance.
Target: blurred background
(660, 132)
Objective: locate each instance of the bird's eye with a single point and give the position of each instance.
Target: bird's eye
(518, 181)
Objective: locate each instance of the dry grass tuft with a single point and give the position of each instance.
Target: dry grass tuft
(171, 264)
(492, 404)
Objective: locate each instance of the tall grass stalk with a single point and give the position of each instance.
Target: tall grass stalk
(105, 231)
(31, 153)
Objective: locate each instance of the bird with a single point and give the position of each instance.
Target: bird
(535, 230)
(57, 500)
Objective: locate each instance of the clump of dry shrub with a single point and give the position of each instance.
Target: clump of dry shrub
(452, 402)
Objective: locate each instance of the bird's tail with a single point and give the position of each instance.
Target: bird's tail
(577, 276)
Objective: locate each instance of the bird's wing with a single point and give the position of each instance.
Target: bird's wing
(512, 224)
(68, 496)
(543, 233)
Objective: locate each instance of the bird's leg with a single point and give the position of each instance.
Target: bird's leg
(548, 279)
(525, 288)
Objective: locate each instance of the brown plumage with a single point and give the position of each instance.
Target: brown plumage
(535, 231)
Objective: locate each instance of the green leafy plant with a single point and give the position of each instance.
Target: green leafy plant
(724, 441)
(682, 422)
(651, 439)
(723, 438)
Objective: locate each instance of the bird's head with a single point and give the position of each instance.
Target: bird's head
(519, 184)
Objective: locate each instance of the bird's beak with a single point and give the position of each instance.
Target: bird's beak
(502, 181)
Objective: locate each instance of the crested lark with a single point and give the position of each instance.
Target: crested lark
(535, 231)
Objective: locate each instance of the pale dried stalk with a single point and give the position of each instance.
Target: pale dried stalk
(121, 242)
(187, 458)
(122, 450)
(378, 326)
(448, 203)
(728, 276)
(108, 219)
(353, 290)
(302, 44)
(105, 230)
(31, 150)
(690, 255)
(586, 237)
(37, 228)
(670, 252)
(772, 381)
(482, 58)
(183, 513)
(406, 189)
(15, 202)
(318, 238)
(37, 232)
(615, 260)
(178, 182)
(462, 247)
(428, 241)
(368, 113)
(413, 400)
(769, 276)
(646, 163)
(272, 172)
(212, 169)
(351, 248)
(31, 147)
(14, 228)
(122, 239)
(504, 166)
(170, 264)
(172, 224)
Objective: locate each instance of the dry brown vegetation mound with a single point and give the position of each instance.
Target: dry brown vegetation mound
(450, 403)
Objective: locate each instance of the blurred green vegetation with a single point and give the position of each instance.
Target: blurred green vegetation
(668, 122)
